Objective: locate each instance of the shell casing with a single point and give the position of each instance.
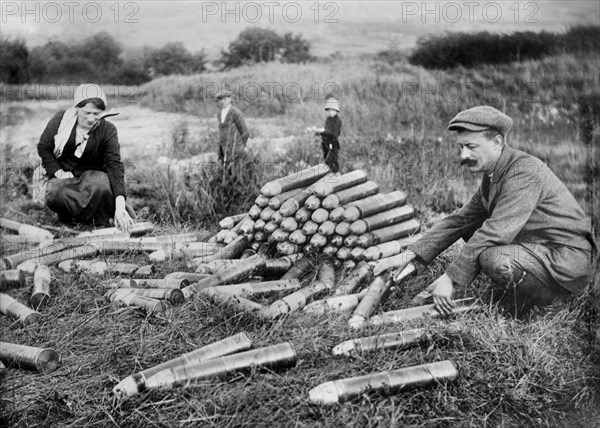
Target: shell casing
(11, 278)
(351, 194)
(18, 311)
(351, 241)
(393, 262)
(382, 219)
(44, 360)
(277, 267)
(175, 283)
(336, 240)
(299, 179)
(289, 224)
(190, 276)
(389, 382)
(216, 266)
(261, 200)
(361, 273)
(337, 214)
(125, 297)
(326, 272)
(312, 203)
(320, 215)
(254, 212)
(45, 250)
(231, 251)
(41, 287)
(302, 215)
(248, 252)
(409, 314)
(389, 233)
(239, 303)
(376, 292)
(137, 229)
(253, 288)
(334, 304)
(299, 268)
(340, 182)
(390, 248)
(276, 201)
(171, 295)
(327, 228)
(343, 228)
(272, 357)
(310, 228)
(230, 221)
(343, 253)
(198, 249)
(136, 383)
(26, 229)
(266, 214)
(297, 237)
(297, 300)
(374, 204)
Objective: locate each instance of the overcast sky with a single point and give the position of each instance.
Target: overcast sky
(350, 27)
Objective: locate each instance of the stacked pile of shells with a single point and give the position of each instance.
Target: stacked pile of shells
(343, 216)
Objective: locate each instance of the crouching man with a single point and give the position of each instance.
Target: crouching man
(522, 227)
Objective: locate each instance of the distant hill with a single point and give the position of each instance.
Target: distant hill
(361, 27)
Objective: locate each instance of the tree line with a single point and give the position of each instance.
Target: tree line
(102, 59)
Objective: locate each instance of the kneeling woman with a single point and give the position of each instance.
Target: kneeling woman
(82, 161)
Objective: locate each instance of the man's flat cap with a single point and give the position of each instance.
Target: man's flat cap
(223, 93)
(481, 118)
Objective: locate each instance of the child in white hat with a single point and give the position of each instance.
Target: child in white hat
(330, 134)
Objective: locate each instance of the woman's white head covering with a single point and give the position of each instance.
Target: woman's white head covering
(82, 92)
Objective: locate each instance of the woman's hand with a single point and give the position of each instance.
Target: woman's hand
(61, 175)
(122, 219)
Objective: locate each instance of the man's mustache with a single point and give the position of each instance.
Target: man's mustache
(468, 162)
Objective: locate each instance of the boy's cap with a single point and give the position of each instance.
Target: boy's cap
(332, 103)
(223, 93)
(481, 118)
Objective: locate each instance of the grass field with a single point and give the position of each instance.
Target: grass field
(540, 373)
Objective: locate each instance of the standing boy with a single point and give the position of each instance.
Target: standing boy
(330, 134)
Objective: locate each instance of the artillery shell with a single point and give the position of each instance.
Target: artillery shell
(388, 263)
(259, 236)
(247, 226)
(293, 302)
(343, 253)
(175, 283)
(334, 304)
(273, 357)
(43, 251)
(373, 205)
(336, 240)
(18, 311)
(145, 270)
(340, 182)
(231, 251)
(230, 236)
(119, 283)
(383, 219)
(28, 267)
(239, 303)
(329, 250)
(356, 253)
(229, 222)
(287, 248)
(318, 241)
(327, 228)
(252, 288)
(254, 212)
(295, 180)
(320, 215)
(12, 278)
(276, 201)
(343, 228)
(277, 218)
(351, 241)
(140, 228)
(390, 248)
(259, 224)
(409, 314)
(44, 360)
(354, 193)
(292, 205)
(171, 295)
(136, 383)
(261, 200)
(326, 272)
(279, 235)
(361, 273)
(289, 224)
(190, 276)
(41, 287)
(277, 267)
(270, 227)
(124, 297)
(297, 237)
(310, 228)
(389, 233)
(248, 252)
(26, 229)
(378, 289)
(389, 382)
(266, 213)
(312, 203)
(337, 214)
(237, 272)
(216, 266)
(302, 215)
(299, 268)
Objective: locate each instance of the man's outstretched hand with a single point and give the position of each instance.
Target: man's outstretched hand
(442, 289)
